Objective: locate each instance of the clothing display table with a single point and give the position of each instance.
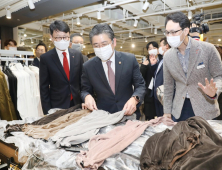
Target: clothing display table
(39, 154)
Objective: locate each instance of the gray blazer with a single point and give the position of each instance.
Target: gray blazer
(175, 80)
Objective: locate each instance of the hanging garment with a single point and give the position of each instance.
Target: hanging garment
(30, 105)
(42, 121)
(13, 89)
(104, 145)
(92, 122)
(35, 70)
(7, 110)
(48, 130)
(35, 91)
(191, 144)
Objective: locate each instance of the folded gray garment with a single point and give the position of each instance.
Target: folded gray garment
(74, 140)
(92, 122)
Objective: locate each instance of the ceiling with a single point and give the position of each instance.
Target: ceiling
(120, 14)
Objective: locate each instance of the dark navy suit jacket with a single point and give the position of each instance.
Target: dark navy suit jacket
(127, 75)
(55, 88)
(36, 62)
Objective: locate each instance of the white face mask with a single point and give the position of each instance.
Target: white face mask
(161, 50)
(174, 41)
(153, 52)
(13, 48)
(61, 45)
(104, 53)
(77, 47)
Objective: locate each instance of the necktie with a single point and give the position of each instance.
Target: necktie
(66, 68)
(111, 76)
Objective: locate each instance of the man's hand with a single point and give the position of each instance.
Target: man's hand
(90, 103)
(210, 89)
(168, 115)
(130, 106)
(145, 62)
(84, 106)
(153, 59)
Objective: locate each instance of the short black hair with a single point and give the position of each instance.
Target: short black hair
(165, 41)
(41, 44)
(8, 41)
(178, 17)
(100, 29)
(75, 35)
(154, 43)
(59, 26)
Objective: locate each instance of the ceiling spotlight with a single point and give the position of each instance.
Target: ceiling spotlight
(189, 14)
(145, 5)
(88, 52)
(82, 32)
(135, 23)
(25, 35)
(190, 0)
(84, 46)
(121, 47)
(31, 4)
(8, 13)
(78, 21)
(98, 15)
(50, 39)
(145, 39)
(155, 31)
(219, 39)
(31, 41)
(130, 34)
(49, 46)
(133, 45)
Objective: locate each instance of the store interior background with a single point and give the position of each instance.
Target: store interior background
(134, 27)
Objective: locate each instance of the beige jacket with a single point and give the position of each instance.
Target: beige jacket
(200, 52)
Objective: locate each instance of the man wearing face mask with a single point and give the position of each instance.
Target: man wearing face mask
(194, 68)
(60, 71)
(158, 76)
(10, 44)
(111, 75)
(147, 69)
(39, 50)
(76, 43)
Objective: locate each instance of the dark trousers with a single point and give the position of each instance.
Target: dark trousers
(187, 111)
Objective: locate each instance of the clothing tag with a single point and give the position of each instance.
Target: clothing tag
(200, 66)
(151, 84)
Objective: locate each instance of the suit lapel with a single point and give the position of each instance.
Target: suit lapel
(72, 65)
(118, 69)
(177, 63)
(193, 56)
(100, 70)
(58, 63)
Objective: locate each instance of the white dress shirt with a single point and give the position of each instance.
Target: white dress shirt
(105, 67)
(61, 56)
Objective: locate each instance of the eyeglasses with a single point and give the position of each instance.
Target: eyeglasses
(61, 38)
(167, 33)
(40, 51)
(103, 44)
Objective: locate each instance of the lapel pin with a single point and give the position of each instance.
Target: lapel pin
(119, 62)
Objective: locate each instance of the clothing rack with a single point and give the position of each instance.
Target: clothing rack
(12, 53)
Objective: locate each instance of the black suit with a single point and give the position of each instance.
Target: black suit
(36, 62)
(158, 82)
(55, 88)
(127, 74)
